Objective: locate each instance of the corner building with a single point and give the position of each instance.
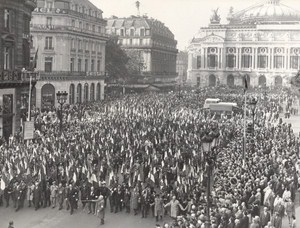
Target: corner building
(15, 70)
(153, 41)
(261, 43)
(69, 42)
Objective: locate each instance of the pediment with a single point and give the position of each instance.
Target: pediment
(213, 39)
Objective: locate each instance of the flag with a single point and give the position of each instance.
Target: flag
(94, 178)
(2, 184)
(152, 177)
(36, 58)
(245, 83)
(74, 177)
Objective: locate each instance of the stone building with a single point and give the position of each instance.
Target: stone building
(261, 43)
(69, 41)
(152, 40)
(15, 16)
(182, 66)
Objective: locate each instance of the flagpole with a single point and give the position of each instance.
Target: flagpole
(29, 100)
(244, 138)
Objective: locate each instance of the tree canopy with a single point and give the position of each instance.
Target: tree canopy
(122, 64)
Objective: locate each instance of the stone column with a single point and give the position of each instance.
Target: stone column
(270, 59)
(240, 58)
(190, 61)
(287, 66)
(253, 58)
(256, 58)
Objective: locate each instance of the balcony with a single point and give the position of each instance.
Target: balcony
(70, 75)
(17, 78)
(63, 28)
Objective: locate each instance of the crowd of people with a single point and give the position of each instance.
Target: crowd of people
(143, 154)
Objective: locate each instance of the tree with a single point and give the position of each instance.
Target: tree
(135, 63)
(116, 60)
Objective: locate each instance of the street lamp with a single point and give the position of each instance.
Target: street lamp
(61, 99)
(210, 142)
(252, 105)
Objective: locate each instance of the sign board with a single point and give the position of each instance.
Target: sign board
(28, 130)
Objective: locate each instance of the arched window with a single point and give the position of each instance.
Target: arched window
(92, 92)
(98, 94)
(48, 97)
(212, 80)
(278, 81)
(230, 80)
(72, 94)
(86, 93)
(262, 80)
(79, 93)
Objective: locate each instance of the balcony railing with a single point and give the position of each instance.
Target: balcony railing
(67, 75)
(66, 27)
(7, 76)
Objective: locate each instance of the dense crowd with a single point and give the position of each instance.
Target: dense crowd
(143, 154)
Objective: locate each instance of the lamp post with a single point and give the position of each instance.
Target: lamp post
(210, 142)
(252, 105)
(61, 99)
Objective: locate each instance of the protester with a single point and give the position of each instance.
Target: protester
(148, 149)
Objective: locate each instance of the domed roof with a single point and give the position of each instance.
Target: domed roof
(269, 10)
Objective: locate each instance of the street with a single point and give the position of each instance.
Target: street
(53, 218)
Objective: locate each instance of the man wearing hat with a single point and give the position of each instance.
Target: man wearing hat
(104, 191)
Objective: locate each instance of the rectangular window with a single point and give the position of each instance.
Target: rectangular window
(80, 25)
(130, 41)
(87, 27)
(49, 5)
(72, 64)
(142, 32)
(212, 61)
(73, 23)
(294, 62)
(79, 65)
(93, 65)
(98, 65)
(99, 29)
(198, 62)
(7, 58)
(131, 32)
(141, 42)
(49, 21)
(7, 19)
(94, 28)
(246, 61)
(86, 65)
(73, 44)
(230, 61)
(79, 44)
(278, 62)
(262, 61)
(48, 64)
(48, 43)
(122, 32)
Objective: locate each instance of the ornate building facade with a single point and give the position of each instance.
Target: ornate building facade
(15, 74)
(69, 42)
(182, 66)
(261, 43)
(152, 40)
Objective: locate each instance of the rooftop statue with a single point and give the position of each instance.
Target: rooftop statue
(215, 18)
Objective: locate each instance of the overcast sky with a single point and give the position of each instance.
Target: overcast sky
(183, 17)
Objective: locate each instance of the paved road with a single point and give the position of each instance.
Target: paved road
(52, 218)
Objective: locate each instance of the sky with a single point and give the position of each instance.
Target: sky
(183, 17)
